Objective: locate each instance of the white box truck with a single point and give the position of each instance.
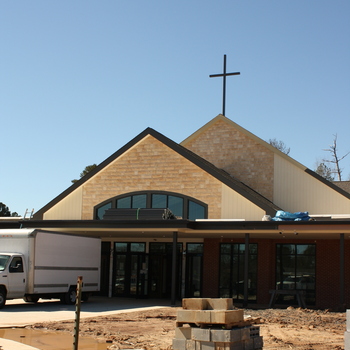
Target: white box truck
(41, 264)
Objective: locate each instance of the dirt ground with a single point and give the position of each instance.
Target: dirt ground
(291, 328)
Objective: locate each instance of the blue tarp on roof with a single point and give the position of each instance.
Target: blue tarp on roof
(286, 216)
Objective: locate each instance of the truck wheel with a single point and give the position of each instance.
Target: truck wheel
(31, 299)
(2, 298)
(70, 297)
(85, 296)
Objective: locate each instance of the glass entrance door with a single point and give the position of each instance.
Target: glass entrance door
(194, 260)
(130, 273)
(160, 270)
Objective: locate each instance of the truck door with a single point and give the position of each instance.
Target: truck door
(16, 278)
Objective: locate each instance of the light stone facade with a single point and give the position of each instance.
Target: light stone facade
(232, 150)
(151, 165)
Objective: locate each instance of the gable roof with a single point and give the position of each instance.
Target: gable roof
(219, 174)
(340, 189)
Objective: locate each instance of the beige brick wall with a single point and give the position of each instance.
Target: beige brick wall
(150, 165)
(241, 156)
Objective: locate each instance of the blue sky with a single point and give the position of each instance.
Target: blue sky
(79, 79)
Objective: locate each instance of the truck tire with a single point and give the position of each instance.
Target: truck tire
(31, 299)
(85, 296)
(2, 297)
(70, 297)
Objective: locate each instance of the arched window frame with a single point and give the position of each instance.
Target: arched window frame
(112, 202)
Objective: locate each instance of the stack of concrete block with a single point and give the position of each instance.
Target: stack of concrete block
(214, 324)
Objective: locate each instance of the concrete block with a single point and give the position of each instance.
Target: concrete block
(201, 334)
(179, 344)
(245, 333)
(226, 335)
(183, 332)
(254, 331)
(347, 340)
(258, 342)
(220, 304)
(190, 344)
(226, 316)
(186, 316)
(205, 345)
(203, 316)
(194, 303)
(348, 320)
(229, 346)
(248, 344)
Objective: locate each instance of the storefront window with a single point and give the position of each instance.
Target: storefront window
(295, 270)
(232, 257)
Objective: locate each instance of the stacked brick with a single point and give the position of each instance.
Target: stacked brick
(214, 324)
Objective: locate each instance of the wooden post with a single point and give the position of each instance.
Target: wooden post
(77, 313)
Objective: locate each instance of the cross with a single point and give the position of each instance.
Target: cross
(224, 75)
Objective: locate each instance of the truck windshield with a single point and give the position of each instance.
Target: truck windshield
(3, 261)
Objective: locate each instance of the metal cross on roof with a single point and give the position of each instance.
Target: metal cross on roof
(224, 75)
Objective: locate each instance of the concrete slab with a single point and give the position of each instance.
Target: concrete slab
(6, 344)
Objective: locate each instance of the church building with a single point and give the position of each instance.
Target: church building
(209, 218)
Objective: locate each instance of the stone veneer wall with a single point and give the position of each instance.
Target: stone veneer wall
(241, 156)
(150, 165)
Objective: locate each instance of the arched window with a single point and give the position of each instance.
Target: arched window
(181, 206)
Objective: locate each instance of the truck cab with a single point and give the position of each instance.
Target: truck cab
(12, 276)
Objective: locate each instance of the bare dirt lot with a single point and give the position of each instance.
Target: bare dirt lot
(290, 328)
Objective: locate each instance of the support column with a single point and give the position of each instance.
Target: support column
(173, 270)
(246, 270)
(342, 274)
(110, 282)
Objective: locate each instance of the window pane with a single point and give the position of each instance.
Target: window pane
(137, 247)
(225, 268)
(121, 247)
(124, 202)
(120, 274)
(101, 210)
(159, 201)
(287, 248)
(241, 248)
(195, 248)
(306, 249)
(253, 249)
(176, 204)
(195, 211)
(225, 248)
(139, 201)
(157, 248)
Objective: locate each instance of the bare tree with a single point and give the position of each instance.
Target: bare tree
(335, 157)
(280, 145)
